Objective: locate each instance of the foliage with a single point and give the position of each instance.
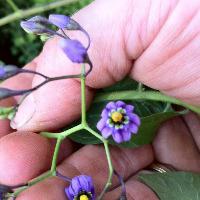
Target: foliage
(174, 185)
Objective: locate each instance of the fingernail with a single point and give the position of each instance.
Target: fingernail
(25, 113)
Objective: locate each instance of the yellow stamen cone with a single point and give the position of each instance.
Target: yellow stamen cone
(84, 197)
(117, 117)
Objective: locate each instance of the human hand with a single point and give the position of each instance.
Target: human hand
(148, 40)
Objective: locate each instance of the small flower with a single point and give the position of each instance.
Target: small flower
(118, 120)
(81, 188)
(74, 50)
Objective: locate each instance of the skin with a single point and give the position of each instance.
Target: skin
(155, 42)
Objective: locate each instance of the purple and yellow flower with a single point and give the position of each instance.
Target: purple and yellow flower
(118, 120)
(74, 50)
(81, 188)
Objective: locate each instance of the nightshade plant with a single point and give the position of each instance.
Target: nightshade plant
(144, 109)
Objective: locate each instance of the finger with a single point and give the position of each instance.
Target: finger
(135, 190)
(175, 146)
(5, 123)
(171, 62)
(114, 47)
(193, 122)
(24, 156)
(126, 162)
(19, 82)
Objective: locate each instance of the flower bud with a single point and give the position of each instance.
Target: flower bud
(5, 93)
(39, 19)
(8, 71)
(61, 21)
(34, 27)
(74, 50)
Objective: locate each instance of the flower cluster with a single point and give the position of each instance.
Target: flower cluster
(118, 120)
(74, 49)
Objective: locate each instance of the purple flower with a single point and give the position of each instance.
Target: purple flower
(81, 188)
(74, 50)
(61, 21)
(118, 120)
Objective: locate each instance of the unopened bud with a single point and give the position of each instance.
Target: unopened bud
(8, 71)
(34, 27)
(74, 50)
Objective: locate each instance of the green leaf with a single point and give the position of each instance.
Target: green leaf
(152, 114)
(174, 185)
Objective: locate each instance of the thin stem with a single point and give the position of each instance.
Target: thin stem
(59, 175)
(32, 11)
(167, 107)
(32, 72)
(18, 191)
(40, 178)
(148, 95)
(63, 32)
(87, 35)
(63, 134)
(12, 5)
(32, 182)
(55, 156)
(22, 92)
(90, 66)
(83, 97)
(108, 156)
(140, 87)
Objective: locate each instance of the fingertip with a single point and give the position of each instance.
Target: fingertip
(23, 156)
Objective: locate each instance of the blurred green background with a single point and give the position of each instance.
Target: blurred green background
(18, 47)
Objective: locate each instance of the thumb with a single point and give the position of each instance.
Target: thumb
(119, 36)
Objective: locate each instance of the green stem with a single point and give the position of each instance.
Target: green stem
(13, 5)
(55, 155)
(31, 183)
(63, 134)
(32, 11)
(83, 97)
(40, 178)
(140, 87)
(148, 95)
(108, 156)
(167, 107)
(17, 191)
